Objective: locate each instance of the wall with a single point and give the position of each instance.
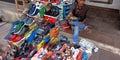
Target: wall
(114, 5)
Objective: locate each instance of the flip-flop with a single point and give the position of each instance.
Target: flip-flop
(34, 8)
(12, 37)
(23, 31)
(27, 34)
(85, 56)
(63, 48)
(79, 56)
(18, 27)
(37, 41)
(42, 11)
(47, 39)
(40, 45)
(29, 22)
(11, 29)
(18, 38)
(32, 53)
(32, 26)
(32, 36)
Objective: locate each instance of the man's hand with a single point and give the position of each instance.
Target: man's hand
(73, 18)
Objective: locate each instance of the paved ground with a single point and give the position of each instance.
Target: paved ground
(104, 24)
(104, 55)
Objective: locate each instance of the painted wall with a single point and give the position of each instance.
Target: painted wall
(114, 5)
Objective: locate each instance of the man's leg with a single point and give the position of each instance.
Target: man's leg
(76, 34)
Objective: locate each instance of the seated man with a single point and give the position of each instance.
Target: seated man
(76, 18)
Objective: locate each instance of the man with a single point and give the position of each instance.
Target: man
(76, 18)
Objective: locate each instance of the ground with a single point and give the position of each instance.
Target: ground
(105, 24)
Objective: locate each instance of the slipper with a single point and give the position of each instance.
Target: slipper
(29, 22)
(23, 31)
(12, 37)
(19, 27)
(34, 8)
(32, 36)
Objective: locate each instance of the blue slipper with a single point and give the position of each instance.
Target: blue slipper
(34, 8)
(32, 36)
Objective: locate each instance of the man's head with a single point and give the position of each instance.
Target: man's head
(80, 2)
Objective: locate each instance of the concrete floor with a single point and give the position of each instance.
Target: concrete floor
(103, 22)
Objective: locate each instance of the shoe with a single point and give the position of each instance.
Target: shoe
(79, 56)
(32, 53)
(47, 39)
(28, 33)
(29, 22)
(32, 26)
(55, 1)
(53, 40)
(14, 24)
(44, 0)
(40, 31)
(19, 27)
(40, 45)
(63, 38)
(63, 48)
(85, 56)
(42, 11)
(35, 57)
(37, 41)
(75, 53)
(12, 37)
(18, 38)
(34, 8)
(32, 36)
(23, 31)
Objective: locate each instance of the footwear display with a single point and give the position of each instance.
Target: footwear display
(39, 37)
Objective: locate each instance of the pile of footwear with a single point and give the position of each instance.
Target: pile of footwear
(40, 40)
